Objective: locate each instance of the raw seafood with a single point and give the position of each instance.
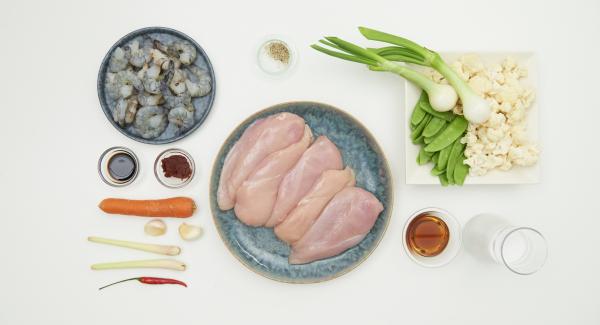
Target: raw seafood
(182, 116)
(150, 121)
(159, 74)
(197, 82)
(125, 110)
(256, 196)
(310, 207)
(344, 223)
(147, 99)
(321, 156)
(258, 141)
(118, 60)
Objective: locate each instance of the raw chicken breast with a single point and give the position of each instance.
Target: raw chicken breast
(321, 156)
(258, 141)
(256, 196)
(345, 221)
(311, 205)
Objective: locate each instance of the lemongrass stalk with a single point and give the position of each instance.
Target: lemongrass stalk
(152, 248)
(155, 264)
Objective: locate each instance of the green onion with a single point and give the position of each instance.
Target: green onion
(475, 108)
(442, 97)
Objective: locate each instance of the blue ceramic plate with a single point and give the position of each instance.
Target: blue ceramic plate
(201, 104)
(258, 248)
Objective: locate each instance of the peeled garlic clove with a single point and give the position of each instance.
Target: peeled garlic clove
(155, 227)
(190, 232)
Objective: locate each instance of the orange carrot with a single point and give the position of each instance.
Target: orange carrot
(178, 207)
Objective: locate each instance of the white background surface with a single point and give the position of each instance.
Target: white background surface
(53, 132)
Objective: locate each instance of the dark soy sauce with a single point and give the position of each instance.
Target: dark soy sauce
(121, 167)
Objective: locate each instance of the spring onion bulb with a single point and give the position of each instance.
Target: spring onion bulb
(475, 109)
(442, 97)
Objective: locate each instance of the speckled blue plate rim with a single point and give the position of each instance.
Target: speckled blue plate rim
(385, 215)
(127, 38)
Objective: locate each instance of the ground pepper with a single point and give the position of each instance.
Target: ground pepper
(176, 166)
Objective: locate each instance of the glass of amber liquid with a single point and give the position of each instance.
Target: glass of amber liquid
(432, 237)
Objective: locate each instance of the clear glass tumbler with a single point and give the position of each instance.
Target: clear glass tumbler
(522, 250)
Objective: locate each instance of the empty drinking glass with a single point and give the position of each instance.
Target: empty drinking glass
(522, 250)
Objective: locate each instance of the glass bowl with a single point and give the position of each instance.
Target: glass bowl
(104, 168)
(173, 182)
(452, 247)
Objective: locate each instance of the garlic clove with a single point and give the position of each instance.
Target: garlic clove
(155, 227)
(190, 232)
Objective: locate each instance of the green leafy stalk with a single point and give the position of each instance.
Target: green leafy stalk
(375, 62)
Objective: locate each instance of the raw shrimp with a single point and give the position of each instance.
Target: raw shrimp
(147, 99)
(111, 85)
(177, 83)
(132, 105)
(159, 58)
(172, 101)
(186, 52)
(124, 111)
(198, 81)
(127, 81)
(118, 60)
(182, 50)
(139, 55)
(150, 121)
(182, 116)
(149, 77)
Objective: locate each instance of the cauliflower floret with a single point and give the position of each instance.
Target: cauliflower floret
(506, 165)
(517, 115)
(505, 107)
(503, 146)
(458, 67)
(526, 155)
(509, 64)
(496, 120)
(494, 135)
(480, 84)
(519, 135)
(501, 142)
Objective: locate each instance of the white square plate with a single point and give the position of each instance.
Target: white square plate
(416, 174)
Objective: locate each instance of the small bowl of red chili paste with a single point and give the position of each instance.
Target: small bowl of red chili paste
(174, 168)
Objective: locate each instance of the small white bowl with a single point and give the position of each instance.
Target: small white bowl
(454, 242)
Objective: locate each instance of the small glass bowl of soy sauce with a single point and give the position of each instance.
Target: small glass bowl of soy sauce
(118, 166)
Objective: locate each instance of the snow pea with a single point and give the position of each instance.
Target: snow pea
(434, 126)
(417, 116)
(461, 170)
(437, 172)
(443, 180)
(455, 153)
(419, 129)
(454, 131)
(424, 157)
(443, 158)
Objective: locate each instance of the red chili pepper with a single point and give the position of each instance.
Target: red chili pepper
(150, 280)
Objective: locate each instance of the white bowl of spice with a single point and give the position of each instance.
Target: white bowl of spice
(276, 56)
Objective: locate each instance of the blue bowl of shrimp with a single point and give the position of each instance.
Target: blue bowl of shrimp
(156, 85)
